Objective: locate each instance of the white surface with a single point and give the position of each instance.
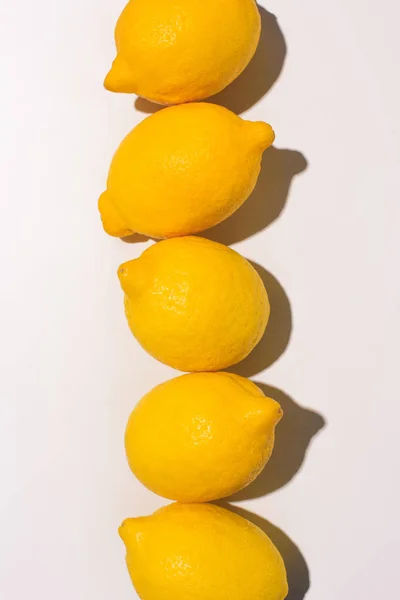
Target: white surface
(71, 372)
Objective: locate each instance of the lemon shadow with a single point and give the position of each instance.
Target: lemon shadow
(258, 77)
(262, 72)
(277, 335)
(265, 204)
(136, 238)
(296, 567)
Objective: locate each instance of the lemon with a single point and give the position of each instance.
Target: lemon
(201, 552)
(182, 170)
(202, 436)
(194, 304)
(185, 50)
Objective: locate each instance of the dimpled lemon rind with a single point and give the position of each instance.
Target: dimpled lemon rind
(194, 304)
(202, 552)
(201, 437)
(185, 50)
(183, 170)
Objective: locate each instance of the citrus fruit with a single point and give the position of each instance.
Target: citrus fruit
(194, 304)
(201, 552)
(202, 436)
(185, 50)
(183, 170)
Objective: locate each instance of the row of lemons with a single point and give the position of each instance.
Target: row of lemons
(193, 304)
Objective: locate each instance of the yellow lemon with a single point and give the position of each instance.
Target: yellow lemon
(202, 436)
(182, 170)
(194, 304)
(185, 50)
(201, 552)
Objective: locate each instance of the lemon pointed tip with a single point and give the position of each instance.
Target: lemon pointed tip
(109, 81)
(119, 78)
(268, 413)
(130, 277)
(272, 410)
(263, 134)
(130, 530)
(123, 272)
(113, 223)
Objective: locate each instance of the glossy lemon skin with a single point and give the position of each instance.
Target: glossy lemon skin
(194, 304)
(202, 436)
(185, 50)
(202, 552)
(183, 170)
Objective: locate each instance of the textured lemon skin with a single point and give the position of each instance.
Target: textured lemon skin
(185, 50)
(201, 437)
(194, 304)
(202, 552)
(183, 170)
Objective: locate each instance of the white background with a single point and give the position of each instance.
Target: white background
(328, 232)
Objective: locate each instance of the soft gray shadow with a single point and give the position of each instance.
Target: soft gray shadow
(296, 567)
(267, 201)
(293, 437)
(146, 106)
(261, 73)
(135, 238)
(258, 77)
(278, 332)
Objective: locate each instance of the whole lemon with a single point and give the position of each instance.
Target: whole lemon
(183, 170)
(202, 436)
(201, 552)
(194, 304)
(185, 50)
